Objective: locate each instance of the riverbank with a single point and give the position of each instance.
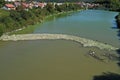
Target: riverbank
(20, 18)
(83, 41)
(29, 29)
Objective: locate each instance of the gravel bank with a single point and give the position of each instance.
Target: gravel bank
(83, 41)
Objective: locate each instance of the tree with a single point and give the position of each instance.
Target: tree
(16, 16)
(58, 8)
(115, 4)
(118, 20)
(2, 2)
(2, 28)
(50, 7)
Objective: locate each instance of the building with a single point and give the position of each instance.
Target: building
(13, 0)
(42, 5)
(9, 7)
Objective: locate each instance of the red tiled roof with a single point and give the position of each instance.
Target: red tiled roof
(41, 4)
(25, 5)
(9, 5)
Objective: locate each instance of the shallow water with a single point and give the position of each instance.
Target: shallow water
(61, 59)
(50, 60)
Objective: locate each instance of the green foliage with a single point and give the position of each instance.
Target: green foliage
(102, 1)
(15, 15)
(2, 2)
(58, 8)
(118, 20)
(110, 4)
(25, 14)
(50, 8)
(21, 18)
(4, 13)
(67, 7)
(115, 4)
(2, 28)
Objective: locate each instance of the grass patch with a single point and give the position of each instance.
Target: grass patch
(4, 13)
(27, 30)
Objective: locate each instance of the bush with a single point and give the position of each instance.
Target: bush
(118, 20)
(21, 18)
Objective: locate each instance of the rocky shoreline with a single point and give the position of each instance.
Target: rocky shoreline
(83, 41)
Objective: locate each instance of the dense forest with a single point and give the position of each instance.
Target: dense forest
(16, 19)
(2, 2)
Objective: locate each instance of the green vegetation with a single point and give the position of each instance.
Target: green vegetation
(25, 30)
(110, 4)
(115, 5)
(2, 2)
(118, 20)
(16, 19)
(3, 13)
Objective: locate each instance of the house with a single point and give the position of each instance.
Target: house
(42, 5)
(25, 5)
(59, 4)
(9, 7)
(13, 0)
(10, 0)
(31, 5)
(17, 3)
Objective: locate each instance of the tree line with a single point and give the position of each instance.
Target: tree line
(118, 20)
(110, 4)
(2, 2)
(21, 18)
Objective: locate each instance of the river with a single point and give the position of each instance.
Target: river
(61, 59)
(96, 25)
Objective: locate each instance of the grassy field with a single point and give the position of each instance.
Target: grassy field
(26, 30)
(4, 13)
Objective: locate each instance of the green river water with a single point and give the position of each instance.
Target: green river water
(61, 59)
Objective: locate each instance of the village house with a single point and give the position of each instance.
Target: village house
(17, 3)
(25, 6)
(10, 0)
(41, 5)
(13, 0)
(55, 3)
(87, 5)
(31, 5)
(9, 7)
